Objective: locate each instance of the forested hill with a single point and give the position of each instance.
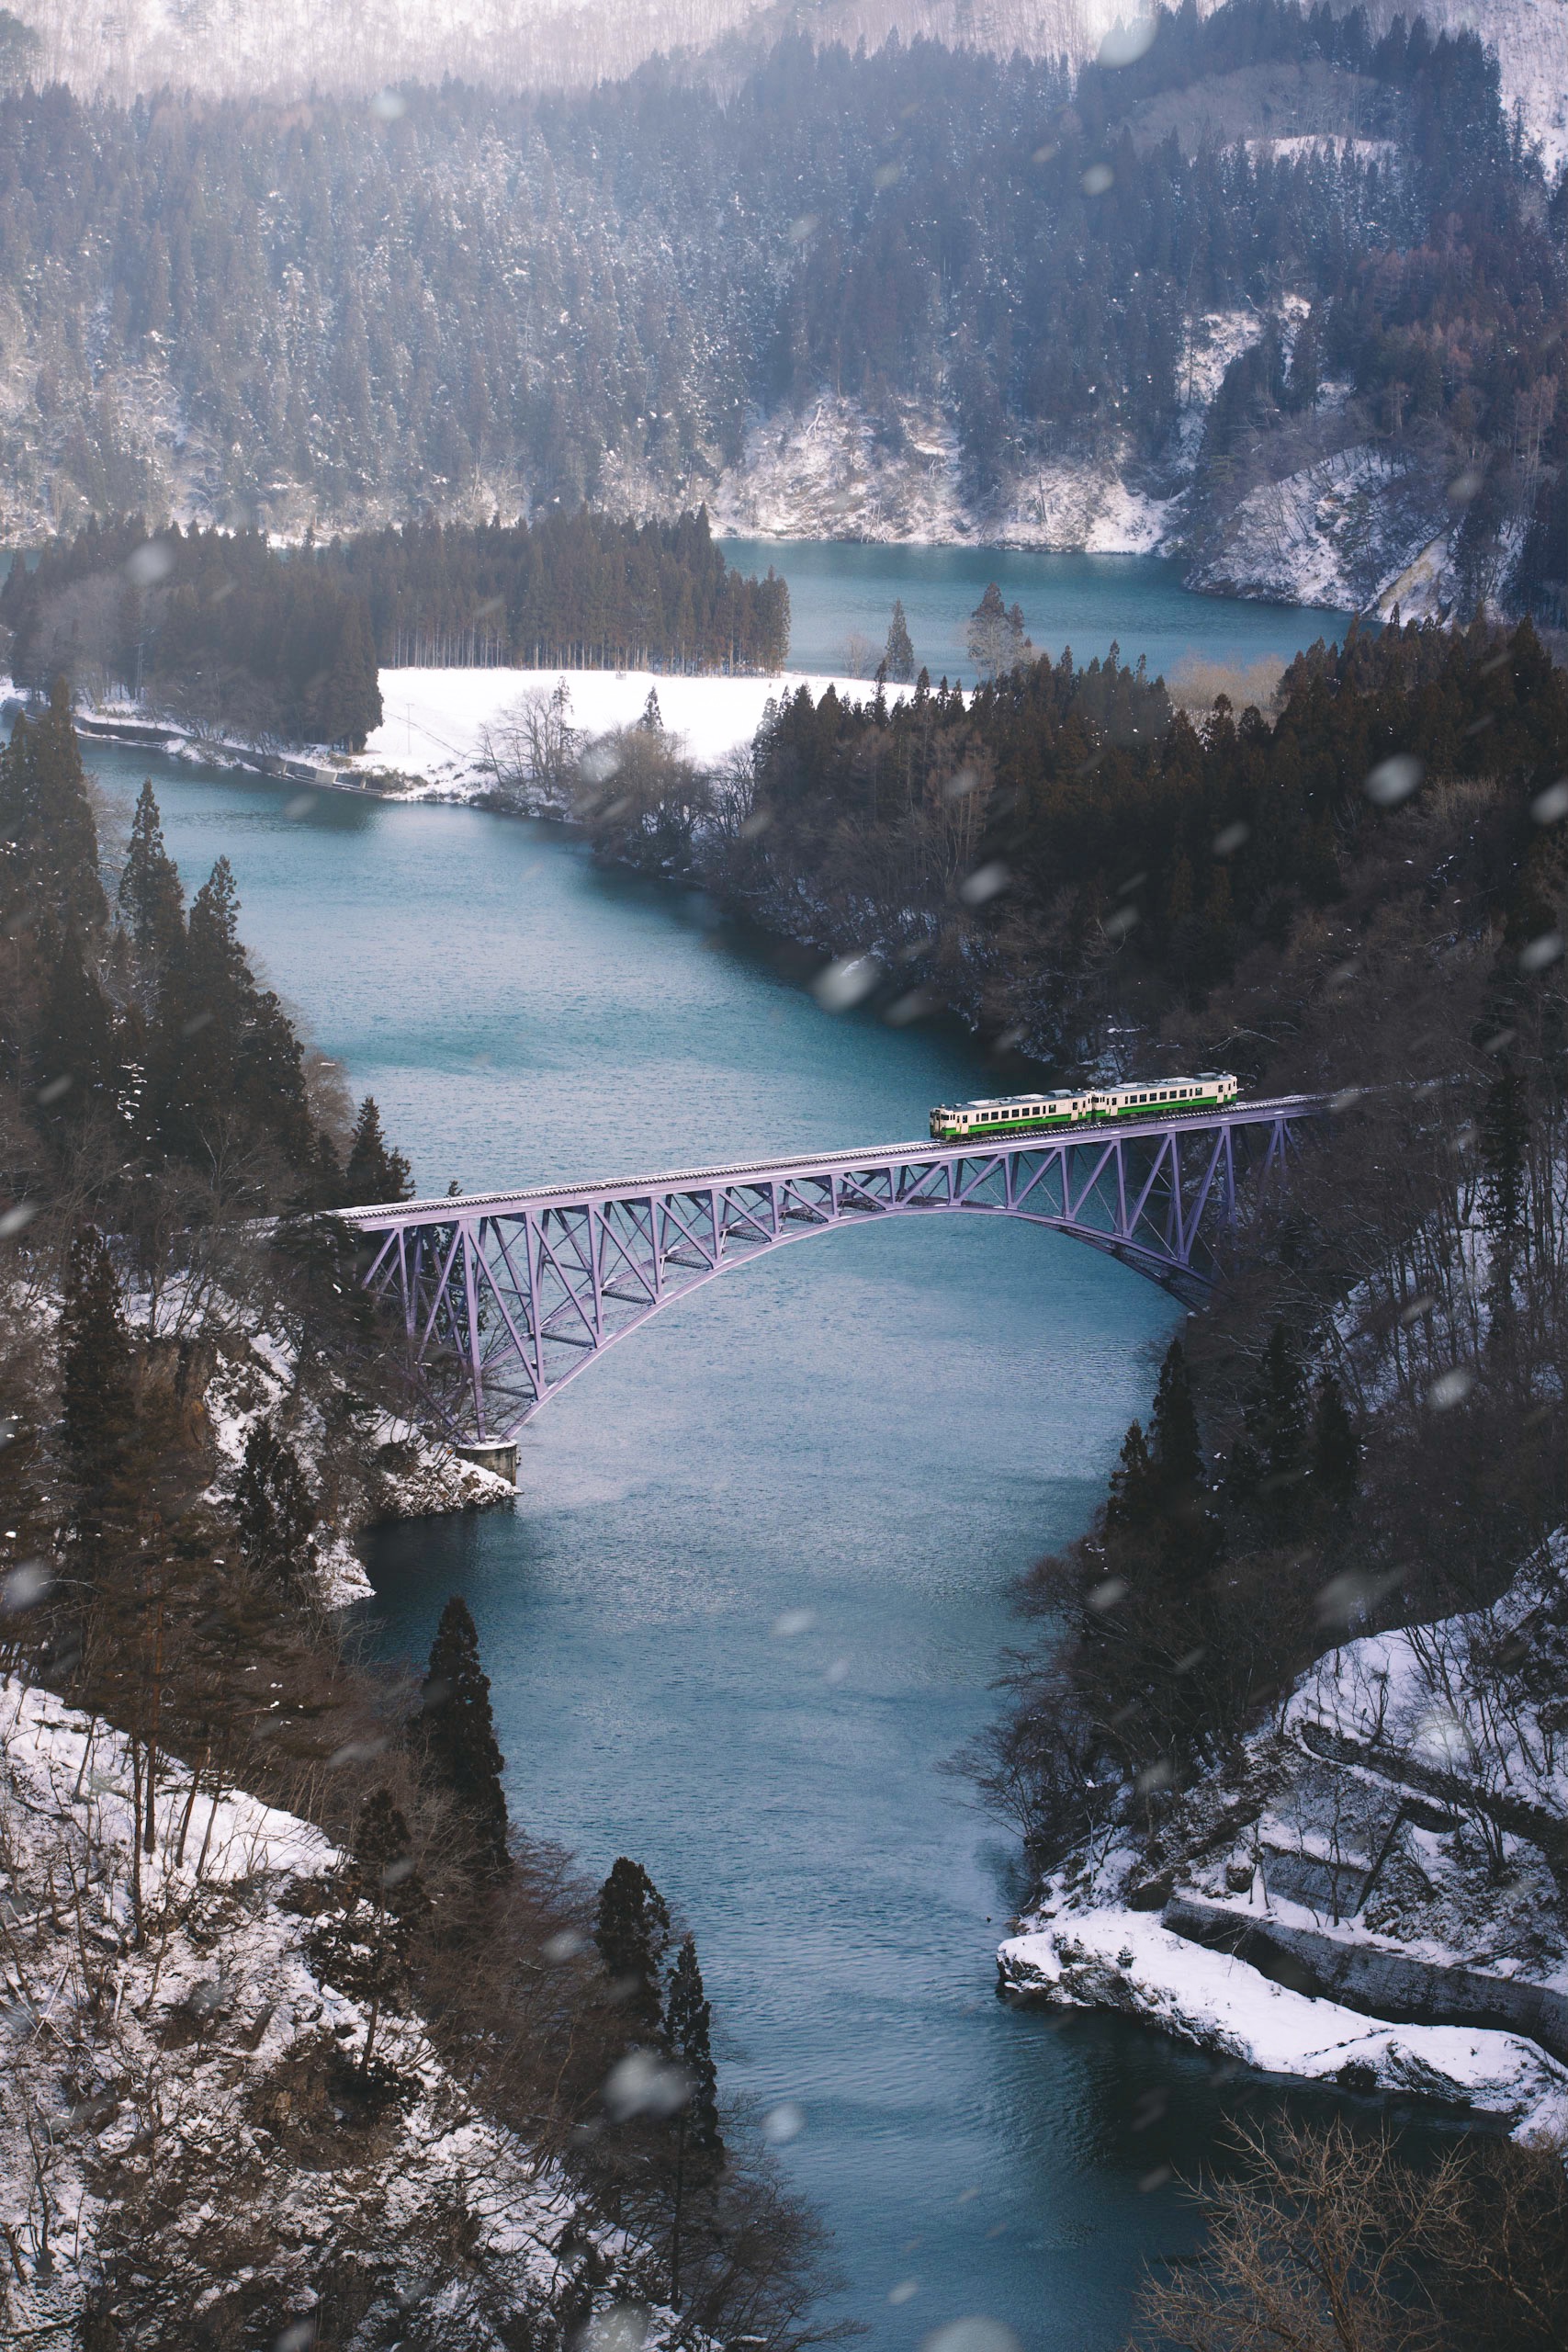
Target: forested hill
(220, 629)
(462, 302)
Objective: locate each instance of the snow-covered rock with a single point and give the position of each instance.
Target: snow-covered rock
(403, 1472)
(836, 472)
(1342, 531)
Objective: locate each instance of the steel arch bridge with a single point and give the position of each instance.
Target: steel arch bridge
(507, 1296)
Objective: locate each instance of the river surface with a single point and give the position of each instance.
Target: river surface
(754, 1593)
(842, 592)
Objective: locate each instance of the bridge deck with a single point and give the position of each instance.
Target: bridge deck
(381, 1216)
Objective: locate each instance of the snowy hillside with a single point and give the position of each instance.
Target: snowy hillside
(1372, 1895)
(177, 2081)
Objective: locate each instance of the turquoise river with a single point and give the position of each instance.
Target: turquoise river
(754, 1594)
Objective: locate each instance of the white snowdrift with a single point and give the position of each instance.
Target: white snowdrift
(1125, 1960)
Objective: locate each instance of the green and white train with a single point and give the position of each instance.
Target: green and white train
(1011, 1114)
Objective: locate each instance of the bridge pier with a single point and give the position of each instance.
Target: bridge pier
(499, 1454)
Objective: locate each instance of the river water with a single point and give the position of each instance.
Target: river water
(754, 1593)
(1088, 601)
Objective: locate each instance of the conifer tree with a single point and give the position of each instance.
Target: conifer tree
(631, 1930)
(1504, 1144)
(217, 974)
(379, 1902)
(74, 1059)
(346, 706)
(375, 1172)
(688, 2024)
(223, 1055)
(1131, 1501)
(47, 832)
(274, 1507)
(151, 902)
(1336, 1448)
(97, 1389)
(652, 720)
(1175, 1451)
(1270, 1454)
(458, 1730)
(898, 659)
(699, 2149)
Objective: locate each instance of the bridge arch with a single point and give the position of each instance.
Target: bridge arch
(506, 1298)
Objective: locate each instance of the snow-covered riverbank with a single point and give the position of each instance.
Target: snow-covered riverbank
(1367, 1897)
(441, 730)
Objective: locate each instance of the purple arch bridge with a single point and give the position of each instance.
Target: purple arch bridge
(506, 1296)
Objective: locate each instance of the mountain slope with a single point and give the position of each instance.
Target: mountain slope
(296, 46)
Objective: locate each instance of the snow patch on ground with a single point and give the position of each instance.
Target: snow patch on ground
(435, 722)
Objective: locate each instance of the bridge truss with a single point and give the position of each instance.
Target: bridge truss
(506, 1296)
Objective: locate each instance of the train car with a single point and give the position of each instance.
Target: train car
(1011, 1115)
(1209, 1089)
(1006, 1115)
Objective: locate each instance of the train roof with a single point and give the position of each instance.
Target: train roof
(1079, 1093)
(1035, 1094)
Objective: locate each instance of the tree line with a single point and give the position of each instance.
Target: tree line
(222, 629)
(1062, 846)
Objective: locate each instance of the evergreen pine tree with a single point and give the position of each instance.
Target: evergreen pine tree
(1270, 1455)
(899, 661)
(274, 1507)
(652, 720)
(75, 1058)
(47, 832)
(1336, 1448)
(461, 1752)
(375, 1172)
(378, 1902)
(97, 1388)
(150, 901)
(345, 706)
(631, 1928)
(1131, 1501)
(218, 976)
(1504, 1144)
(1175, 1451)
(688, 2023)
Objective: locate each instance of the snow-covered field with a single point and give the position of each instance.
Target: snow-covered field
(437, 721)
